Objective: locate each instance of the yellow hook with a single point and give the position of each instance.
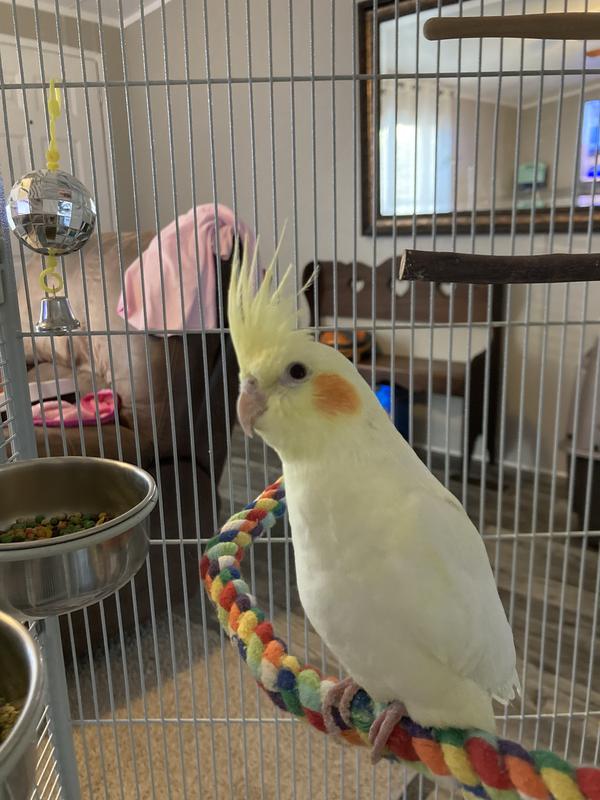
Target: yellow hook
(52, 162)
(51, 273)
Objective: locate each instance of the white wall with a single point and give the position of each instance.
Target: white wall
(323, 223)
(274, 171)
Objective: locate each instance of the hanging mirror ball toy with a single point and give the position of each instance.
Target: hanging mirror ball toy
(52, 213)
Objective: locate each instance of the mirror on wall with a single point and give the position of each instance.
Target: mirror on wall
(462, 134)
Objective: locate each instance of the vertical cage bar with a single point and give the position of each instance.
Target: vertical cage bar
(14, 353)
(60, 718)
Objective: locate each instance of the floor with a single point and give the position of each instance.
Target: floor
(178, 670)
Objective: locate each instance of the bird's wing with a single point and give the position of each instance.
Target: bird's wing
(445, 590)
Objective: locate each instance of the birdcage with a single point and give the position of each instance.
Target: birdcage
(438, 162)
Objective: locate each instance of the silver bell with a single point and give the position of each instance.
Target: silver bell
(56, 316)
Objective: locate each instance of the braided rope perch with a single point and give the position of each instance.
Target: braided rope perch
(484, 765)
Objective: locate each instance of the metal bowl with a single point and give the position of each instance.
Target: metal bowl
(54, 576)
(22, 682)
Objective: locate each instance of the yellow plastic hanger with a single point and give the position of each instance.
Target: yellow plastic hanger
(52, 162)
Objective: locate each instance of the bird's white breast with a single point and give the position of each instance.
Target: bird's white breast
(337, 575)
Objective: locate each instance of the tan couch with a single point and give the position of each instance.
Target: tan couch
(155, 424)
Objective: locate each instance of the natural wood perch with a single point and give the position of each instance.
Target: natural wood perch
(570, 25)
(425, 265)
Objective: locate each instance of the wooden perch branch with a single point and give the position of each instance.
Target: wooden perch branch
(564, 26)
(424, 265)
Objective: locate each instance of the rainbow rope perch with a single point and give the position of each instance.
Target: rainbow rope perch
(485, 766)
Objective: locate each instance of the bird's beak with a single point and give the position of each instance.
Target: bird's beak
(250, 405)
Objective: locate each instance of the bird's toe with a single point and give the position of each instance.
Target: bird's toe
(382, 728)
(346, 701)
(339, 696)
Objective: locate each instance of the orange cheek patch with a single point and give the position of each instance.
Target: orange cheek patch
(333, 395)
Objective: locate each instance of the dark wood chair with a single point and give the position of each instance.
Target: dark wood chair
(342, 291)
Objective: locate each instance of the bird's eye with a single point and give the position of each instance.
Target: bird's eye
(296, 372)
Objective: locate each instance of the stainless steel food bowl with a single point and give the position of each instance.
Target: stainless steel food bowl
(21, 682)
(53, 576)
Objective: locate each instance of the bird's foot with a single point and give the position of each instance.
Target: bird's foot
(339, 696)
(383, 726)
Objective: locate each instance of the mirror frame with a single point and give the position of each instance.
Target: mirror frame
(559, 219)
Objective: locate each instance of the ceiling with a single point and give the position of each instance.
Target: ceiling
(111, 9)
(493, 55)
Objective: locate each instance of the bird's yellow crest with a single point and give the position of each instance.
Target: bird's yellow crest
(260, 316)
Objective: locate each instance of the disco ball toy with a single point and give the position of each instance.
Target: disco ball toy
(51, 212)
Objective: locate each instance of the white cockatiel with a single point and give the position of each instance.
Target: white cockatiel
(391, 572)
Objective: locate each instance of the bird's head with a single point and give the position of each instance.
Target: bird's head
(294, 392)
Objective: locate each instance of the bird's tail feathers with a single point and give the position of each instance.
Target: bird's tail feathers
(507, 693)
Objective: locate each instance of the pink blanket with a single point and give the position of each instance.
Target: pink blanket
(181, 281)
(107, 405)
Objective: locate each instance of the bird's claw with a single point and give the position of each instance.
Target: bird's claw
(339, 696)
(383, 726)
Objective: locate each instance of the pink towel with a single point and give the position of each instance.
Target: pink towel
(107, 404)
(171, 315)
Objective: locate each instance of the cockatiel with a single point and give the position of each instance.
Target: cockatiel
(391, 572)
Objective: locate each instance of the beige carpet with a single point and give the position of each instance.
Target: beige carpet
(202, 760)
